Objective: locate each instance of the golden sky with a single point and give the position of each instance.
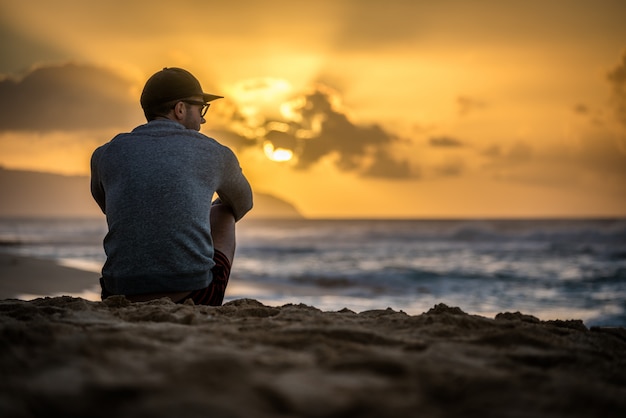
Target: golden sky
(361, 108)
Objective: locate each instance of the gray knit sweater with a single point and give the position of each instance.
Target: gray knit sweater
(155, 185)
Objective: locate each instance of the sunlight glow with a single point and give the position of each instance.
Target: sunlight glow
(276, 154)
(278, 126)
(290, 110)
(263, 95)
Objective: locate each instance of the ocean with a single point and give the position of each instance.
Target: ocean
(551, 269)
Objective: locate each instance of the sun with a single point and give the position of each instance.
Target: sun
(275, 153)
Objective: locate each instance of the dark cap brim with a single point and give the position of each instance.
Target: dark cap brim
(210, 97)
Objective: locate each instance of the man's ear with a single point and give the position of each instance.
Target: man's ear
(179, 110)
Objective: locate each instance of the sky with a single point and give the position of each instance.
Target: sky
(344, 108)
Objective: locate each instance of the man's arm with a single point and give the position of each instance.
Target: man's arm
(235, 190)
(96, 186)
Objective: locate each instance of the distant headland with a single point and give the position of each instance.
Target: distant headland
(40, 194)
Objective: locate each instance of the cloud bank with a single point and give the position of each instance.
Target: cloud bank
(67, 97)
(313, 127)
(354, 145)
(73, 97)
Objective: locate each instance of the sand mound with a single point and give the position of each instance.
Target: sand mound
(71, 357)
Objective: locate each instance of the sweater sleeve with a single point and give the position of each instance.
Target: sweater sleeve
(235, 190)
(97, 190)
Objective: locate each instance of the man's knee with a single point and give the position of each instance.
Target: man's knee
(223, 230)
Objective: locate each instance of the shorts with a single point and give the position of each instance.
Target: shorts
(213, 294)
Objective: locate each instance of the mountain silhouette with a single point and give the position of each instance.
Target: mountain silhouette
(48, 195)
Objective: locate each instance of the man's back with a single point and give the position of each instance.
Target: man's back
(155, 186)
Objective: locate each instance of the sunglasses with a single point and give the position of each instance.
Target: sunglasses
(205, 106)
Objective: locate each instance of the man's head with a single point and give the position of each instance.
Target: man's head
(174, 93)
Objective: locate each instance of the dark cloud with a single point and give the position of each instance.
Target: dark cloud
(365, 149)
(600, 153)
(338, 135)
(518, 152)
(617, 79)
(581, 109)
(450, 169)
(595, 116)
(19, 51)
(494, 151)
(282, 140)
(445, 142)
(466, 105)
(385, 166)
(68, 97)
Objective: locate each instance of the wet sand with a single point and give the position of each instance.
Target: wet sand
(21, 276)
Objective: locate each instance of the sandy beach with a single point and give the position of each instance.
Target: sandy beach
(65, 356)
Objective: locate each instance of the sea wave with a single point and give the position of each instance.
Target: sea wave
(537, 266)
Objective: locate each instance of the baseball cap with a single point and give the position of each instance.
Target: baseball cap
(171, 84)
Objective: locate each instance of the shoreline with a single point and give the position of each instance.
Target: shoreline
(30, 276)
(27, 277)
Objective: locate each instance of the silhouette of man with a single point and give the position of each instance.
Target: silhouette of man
(166, 237)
